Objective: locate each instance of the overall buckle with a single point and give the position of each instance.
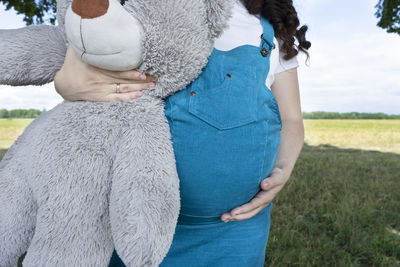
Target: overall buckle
(264, 51)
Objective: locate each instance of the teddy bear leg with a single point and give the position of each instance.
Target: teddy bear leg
(17, 213)
(73, 227)
(144, 200)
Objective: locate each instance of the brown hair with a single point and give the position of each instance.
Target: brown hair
(283, 17)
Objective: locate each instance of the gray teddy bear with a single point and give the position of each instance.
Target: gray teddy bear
(86, 177)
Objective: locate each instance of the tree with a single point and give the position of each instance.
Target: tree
(35, 11)
(4, 113)
(19, 113)
(388, 11)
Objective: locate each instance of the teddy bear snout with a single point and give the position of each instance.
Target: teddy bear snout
(89, 9)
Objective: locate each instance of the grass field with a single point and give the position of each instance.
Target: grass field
(341, 206)
(10, 130)
(378, 135)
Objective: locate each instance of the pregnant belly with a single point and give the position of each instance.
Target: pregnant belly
(219, 170)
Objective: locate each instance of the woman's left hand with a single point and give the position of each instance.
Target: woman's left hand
(286, 90)
(270, 187)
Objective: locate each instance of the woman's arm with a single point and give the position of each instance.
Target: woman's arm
(286, 91)
(77, 80)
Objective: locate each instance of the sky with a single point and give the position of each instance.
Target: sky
(353, 66)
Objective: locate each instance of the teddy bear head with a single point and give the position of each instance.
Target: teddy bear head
(170, 39)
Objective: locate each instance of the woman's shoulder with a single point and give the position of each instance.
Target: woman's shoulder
(283, 64)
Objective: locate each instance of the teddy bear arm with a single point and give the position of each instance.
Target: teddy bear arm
(144, 199)
(31, 55)
(18, 216)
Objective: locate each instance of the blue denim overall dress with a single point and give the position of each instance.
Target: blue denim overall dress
(225, 130)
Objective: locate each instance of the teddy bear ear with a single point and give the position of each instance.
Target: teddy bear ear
(62, 6)
(218, 13)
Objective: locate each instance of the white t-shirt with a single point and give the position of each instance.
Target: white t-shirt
(245, 28)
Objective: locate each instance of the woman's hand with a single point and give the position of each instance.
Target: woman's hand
(270, 187)
(77, 80)
(286, 90)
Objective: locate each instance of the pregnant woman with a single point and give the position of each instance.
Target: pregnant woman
(235, 149)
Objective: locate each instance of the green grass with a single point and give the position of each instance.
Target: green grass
(10, 129)
(379, 135)
(2, 152)
(341, 207)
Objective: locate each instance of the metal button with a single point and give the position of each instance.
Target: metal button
(192, 93)
(264, 52)
(228, 75)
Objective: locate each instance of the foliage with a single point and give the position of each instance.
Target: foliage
(388, 11)
(349, 115)
(35, 11)
(20, 113)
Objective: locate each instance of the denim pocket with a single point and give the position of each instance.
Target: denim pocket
(230, 104)
(275, 106)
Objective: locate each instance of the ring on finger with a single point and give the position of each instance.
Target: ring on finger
(118, 89)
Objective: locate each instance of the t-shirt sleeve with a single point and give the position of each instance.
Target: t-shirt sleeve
(284, 65)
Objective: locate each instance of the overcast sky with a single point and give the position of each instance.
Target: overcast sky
(354, 65)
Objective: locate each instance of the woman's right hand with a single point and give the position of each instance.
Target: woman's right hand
(77, 80)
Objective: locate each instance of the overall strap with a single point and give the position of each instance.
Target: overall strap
(267, 38)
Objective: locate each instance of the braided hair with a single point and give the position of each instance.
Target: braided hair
(283, 17)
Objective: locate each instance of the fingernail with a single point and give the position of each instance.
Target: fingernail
(154, 79)
(139, 94)
(142, 76)
(152, 85)
(225, 217)
(265, 184)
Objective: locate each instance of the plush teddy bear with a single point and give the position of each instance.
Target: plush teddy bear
(86, 177)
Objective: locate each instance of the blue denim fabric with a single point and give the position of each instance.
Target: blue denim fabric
(225, 130)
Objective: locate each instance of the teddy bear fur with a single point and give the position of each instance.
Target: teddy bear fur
(86, 177)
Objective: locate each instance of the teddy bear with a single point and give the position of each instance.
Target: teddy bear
(87, 177)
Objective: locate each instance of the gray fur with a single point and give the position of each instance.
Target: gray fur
(217, 16)
(31, 55)
(85, 177)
